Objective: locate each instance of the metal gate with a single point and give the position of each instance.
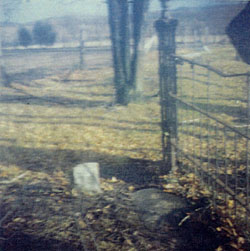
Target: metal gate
(205, 123)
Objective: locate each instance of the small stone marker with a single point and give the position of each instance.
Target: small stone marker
(87, 178)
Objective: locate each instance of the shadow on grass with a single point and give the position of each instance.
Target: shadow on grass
(8, 140)
(21, 241)
(66, 120)
(93, 83)
(26, 116)
(30, 75)
(206, 82)
(234, 111)
(92, 94)
(197, 135)
(119, 128)
(134, 171)
(193, 129)
(49, 101)
(127, 121)
(73, 80)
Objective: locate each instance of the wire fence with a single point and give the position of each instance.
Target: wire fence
(42, 62)
(211, 112)
(213, 132)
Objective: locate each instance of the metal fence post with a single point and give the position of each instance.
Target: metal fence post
(166, 29)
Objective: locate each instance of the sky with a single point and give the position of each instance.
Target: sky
(33, 10)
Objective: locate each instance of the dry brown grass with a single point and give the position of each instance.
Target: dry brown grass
(43, 122)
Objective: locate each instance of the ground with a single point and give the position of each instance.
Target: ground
(49, 125)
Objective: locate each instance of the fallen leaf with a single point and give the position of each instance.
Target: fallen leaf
(234, 245)
(107, 187)
(229, 222)
(131, 188)
(241, 241)
(191, 176)
(219, 248)
(82, 224)
(230, 204)
(20, 220)
(90, 216)
(168, 186)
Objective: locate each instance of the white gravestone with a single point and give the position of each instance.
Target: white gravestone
(87, 178)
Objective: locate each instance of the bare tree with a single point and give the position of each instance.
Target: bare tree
(7, 7)
(118, 22)
(139, 10)
(123, 28)
(125, 64)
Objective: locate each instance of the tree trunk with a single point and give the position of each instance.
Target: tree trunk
(118, 22)
(4, 78)
(2, 71)
(125, 67)
(124, 38)
(139, 10)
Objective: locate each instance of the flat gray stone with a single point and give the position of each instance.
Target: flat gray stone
(155, 206)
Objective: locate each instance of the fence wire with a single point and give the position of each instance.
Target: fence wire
(213, 132)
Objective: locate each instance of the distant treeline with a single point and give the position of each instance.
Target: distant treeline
(42, 34)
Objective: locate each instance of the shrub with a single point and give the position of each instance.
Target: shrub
(24, 37)
(43, 34)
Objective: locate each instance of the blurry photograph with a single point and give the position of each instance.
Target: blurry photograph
(124, 125)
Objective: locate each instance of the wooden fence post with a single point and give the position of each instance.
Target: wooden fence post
(166, 29)
(81, 50)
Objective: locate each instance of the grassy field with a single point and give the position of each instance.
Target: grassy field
(54, 123)
(54, 60)
(223, 98)
(49, 125)
(70, 114)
